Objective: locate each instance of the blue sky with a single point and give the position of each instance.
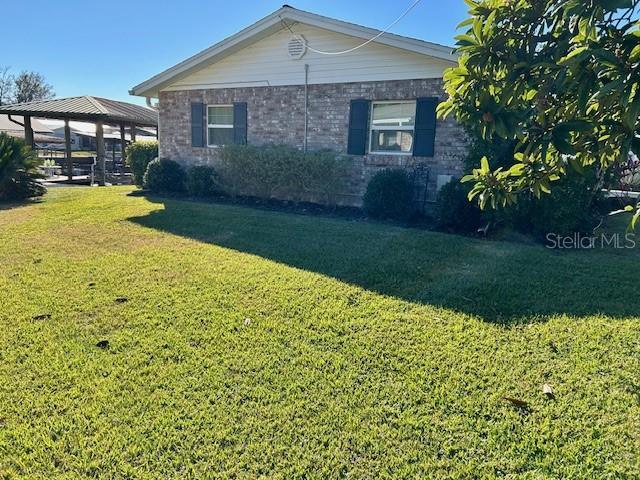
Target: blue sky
(86, 47)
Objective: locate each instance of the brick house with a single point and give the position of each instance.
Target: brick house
(280, 81)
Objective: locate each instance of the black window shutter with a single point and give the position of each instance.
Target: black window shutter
(240, 123)
(425, 130)
(198, 131)
(358, 124)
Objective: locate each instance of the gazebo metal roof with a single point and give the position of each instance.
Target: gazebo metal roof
(86, 108)
(97, 110)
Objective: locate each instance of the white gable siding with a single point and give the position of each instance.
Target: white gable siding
(267, 63)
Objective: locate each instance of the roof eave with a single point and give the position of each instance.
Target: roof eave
(423, 47)
(152, 86)
(90, 117)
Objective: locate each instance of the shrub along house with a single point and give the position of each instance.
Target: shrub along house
(295, 78)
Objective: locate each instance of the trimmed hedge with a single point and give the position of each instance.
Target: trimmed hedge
(389, 195)
(165, 176)
(282, 172)
(138, 156)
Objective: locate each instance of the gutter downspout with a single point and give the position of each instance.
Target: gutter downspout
(306, 105)
(157, 109)
(14, 121)
(151, 105)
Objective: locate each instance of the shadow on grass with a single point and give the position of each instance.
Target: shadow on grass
(499, 282)
(8, 205)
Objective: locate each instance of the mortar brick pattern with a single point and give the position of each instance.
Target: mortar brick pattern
(276, 115)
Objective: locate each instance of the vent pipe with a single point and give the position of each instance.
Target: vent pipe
(306, 104)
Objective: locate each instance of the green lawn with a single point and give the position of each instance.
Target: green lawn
(250, 344)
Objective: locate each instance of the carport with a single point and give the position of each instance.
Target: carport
(100, 111)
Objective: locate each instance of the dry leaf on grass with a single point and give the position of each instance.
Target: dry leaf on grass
(518, 403)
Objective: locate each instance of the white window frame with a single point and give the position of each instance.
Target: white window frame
(407, 128)
(217, 125)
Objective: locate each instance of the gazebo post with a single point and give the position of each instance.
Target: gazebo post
(28, 131)
(133, 132)
(123, 146)
(100, 168)
(67, 147)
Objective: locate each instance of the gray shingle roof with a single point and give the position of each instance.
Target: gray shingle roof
(86, 108)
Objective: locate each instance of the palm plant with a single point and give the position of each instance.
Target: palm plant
(19, 172)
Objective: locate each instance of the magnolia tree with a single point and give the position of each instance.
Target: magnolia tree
(558, 77)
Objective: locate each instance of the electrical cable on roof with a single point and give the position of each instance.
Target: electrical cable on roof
(386, 30)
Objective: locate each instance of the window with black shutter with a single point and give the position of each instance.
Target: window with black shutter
(358, 122)
(240, 123)
(425, 129)
(197, 125)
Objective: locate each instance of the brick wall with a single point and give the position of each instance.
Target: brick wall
(276, 115)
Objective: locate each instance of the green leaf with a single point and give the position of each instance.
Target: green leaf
(477, 29)
(634, 219)
(576, 55)
(482, 200)
(501, 128)
(465, 23)
(468, 178)
(544, 186)
(488, 26)
(517, 170)
(608, 88)
(466, 40)
(631, 116)
(484, 165)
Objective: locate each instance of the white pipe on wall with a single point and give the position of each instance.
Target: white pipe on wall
(306, 104)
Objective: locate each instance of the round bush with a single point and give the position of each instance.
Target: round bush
(202, 181)
(454, 212)
(389, 195)
(138, 156)
(164, 176)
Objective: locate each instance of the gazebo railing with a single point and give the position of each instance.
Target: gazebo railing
(57, 162)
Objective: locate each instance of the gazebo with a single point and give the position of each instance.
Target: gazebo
(96, 110)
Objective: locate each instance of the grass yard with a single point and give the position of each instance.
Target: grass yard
(250, 344)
